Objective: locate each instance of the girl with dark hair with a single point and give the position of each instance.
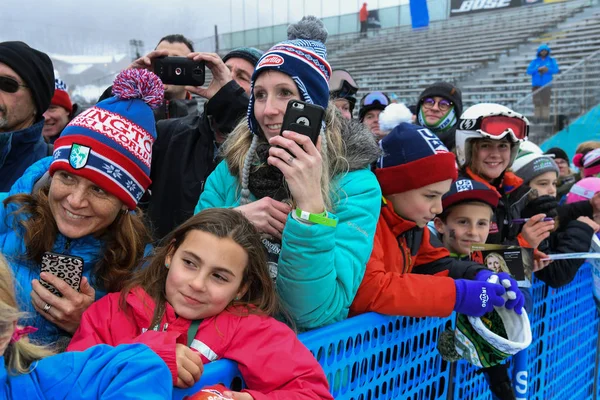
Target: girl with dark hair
(206, 295)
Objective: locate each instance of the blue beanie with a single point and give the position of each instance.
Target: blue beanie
(110, 144)
(469, 190)
(413, 157)
(304, 58)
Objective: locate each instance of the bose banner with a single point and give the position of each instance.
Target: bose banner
(464, 7)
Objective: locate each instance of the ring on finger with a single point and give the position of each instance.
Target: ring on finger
(47, 308)
(289, 161)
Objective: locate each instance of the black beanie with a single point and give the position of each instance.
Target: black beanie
(36, 70)
(558, 153)
(447, 91)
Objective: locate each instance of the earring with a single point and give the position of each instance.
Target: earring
(237, 298)
(166, 265)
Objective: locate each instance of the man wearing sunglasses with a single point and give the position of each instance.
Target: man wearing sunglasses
(26, 87)
(438, 108)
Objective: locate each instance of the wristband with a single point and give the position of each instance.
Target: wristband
(321, 219)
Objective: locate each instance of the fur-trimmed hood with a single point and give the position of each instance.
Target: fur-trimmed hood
(360, 145)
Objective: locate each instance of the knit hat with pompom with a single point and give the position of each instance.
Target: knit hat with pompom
(110, 144)
(303, 57)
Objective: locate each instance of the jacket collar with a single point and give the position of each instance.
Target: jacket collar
(508, 182)
(143, 307)
(396, 223)
(28, 135)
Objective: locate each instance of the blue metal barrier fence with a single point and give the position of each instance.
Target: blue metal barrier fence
(378, 357)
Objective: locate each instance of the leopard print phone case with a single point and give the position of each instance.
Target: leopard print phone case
(67, 268)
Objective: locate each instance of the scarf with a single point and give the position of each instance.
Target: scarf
(268, 181)
(444, 124)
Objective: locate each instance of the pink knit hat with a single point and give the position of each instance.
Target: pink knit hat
(588, 163)
(583, 190)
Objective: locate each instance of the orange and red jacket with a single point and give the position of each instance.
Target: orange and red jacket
(398, 279)
(363, 14)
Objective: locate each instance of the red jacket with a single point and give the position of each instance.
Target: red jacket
(273, 362)
(394, 282)
(363, 14)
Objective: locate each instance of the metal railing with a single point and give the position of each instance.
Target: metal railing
(574, 92)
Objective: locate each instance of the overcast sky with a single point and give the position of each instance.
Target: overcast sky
(102, 27)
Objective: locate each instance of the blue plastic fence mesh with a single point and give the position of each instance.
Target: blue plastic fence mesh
(373, 357)
(561, 358)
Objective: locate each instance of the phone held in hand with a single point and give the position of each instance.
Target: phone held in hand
(180, 71)
(303, 118)
(68, 268)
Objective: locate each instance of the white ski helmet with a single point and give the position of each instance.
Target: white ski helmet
(475, 124)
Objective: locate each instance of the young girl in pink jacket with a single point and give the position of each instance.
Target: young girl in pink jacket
(207, 295)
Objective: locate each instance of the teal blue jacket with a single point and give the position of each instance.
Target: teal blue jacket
(320, 268)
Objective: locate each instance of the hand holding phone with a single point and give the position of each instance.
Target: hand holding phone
(303, 118)
(68, 268)
(179, 71)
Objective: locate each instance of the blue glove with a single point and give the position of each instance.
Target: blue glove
(516, 300)
(476, 298)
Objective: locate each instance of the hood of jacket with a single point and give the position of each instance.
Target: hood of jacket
(361, 148)
(542, 48)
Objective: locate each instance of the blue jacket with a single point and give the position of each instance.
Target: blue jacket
(101, 372)
(320, 268)
(18, 150)
(538, 79)
(13, 248)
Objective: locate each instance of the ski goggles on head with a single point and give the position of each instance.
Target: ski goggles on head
(342, 83)
(374, 98)
(497, 126)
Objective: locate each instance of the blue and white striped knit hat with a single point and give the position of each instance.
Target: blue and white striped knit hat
(304, 58)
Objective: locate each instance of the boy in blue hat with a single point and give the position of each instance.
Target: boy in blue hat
(465, 220)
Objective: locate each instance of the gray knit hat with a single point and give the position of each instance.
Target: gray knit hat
(530, 166)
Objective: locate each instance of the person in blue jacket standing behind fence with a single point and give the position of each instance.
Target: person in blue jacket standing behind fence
(541, 70)
(316, 205)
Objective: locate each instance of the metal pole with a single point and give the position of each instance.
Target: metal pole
(244, 23)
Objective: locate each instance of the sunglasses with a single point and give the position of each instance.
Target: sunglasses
(497, 126)
(443, 105)
(9, 85)
(374, 98)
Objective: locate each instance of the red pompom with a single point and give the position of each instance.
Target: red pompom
(139, 84)
(214, 392)
(578, 160)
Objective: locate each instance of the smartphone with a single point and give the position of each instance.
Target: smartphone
(303, 118)
(180, 71)
(67, 268)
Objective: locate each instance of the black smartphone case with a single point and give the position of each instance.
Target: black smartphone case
(180, 71)
(67, 268)
(303, 118)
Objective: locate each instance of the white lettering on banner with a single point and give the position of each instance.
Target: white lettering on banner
(475, 5)
(521, 386)
(114, 126)
(433, 141)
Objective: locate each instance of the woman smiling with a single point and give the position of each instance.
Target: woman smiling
(82, 202)
(315, 204)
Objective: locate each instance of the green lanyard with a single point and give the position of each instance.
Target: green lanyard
(193, 330)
